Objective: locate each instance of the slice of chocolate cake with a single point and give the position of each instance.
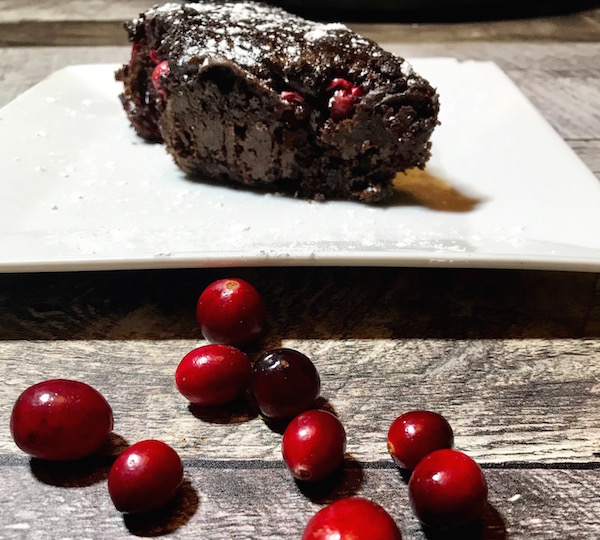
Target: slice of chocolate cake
(248, 93)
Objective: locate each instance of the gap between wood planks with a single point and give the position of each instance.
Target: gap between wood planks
(577, 26)
(7, 460)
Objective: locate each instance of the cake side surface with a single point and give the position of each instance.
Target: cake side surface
(245, 92)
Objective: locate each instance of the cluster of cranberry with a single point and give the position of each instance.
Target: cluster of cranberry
(447, 489)
(344, 94)
(65, 420)
(341, 104)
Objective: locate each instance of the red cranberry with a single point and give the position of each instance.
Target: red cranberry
(284, 383)
(292, 97)
(415, 434)
(213, 374)
(135, 49)
(231, 311)
(313, 445)
(295, 114)
(61, 420)
(340, 84)
(341, 106)
(153, 56)
(344, 98)
(161, 70)
(353, 518)
(447, 489)
(145, 476)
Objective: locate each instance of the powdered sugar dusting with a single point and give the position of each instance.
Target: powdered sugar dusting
(229, 30)
(407, 69)
(316, 34)
(165, 8)
(322, 31)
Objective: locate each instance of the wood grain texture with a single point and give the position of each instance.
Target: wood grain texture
(589, 152)
(512, 358)
(99, 22)
(70, 10)
(508, 402)
(311, 303)
(98, 10)
(514, 369)
(222, 501)
(41, 62)
(62, 33)
(572, 28)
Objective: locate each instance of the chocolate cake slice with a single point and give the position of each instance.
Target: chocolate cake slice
(245, 92)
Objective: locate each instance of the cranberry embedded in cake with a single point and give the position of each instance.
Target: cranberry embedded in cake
(245, 92)
(161, 70)
(345, 95)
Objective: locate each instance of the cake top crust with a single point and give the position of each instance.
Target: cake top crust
(266, 41)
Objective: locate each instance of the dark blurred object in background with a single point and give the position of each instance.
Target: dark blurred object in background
(431, 10)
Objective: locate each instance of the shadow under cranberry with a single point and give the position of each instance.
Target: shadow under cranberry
(326, 405)
(346, 481)
(241, 410)
(71, 474)
(113, 446)
(168, 519)
(405, 474)
(278, 425)
(82, 472)
(491, 526)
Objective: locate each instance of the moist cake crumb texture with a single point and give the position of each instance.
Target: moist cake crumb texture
(246, 93)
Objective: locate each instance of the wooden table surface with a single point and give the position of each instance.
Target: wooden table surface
(511, 358)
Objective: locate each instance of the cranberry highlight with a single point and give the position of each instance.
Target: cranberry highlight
(160, 71)
(292, 97)
(340, 84)
(415, 434)
(61, 420)
(144, 477)
(231, 311)
(313, 445)
(353, 518)
(447, 490)
(135, 49)
(343, 101)
(213, 374)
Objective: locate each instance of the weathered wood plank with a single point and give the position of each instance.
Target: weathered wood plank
(492, 350)
(62, 33)
(572, 97)
(532, 401)
(98, 22)
(70, 10)
(224, 502)
(570, 28)
(309, 303)
(21, 68)
(511, 358)
(99, 10)
(579, 58)
(589, 152)
(110, 32)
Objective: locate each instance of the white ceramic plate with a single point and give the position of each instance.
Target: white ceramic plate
(80, 191)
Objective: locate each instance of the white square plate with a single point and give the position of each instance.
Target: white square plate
(81, 191)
